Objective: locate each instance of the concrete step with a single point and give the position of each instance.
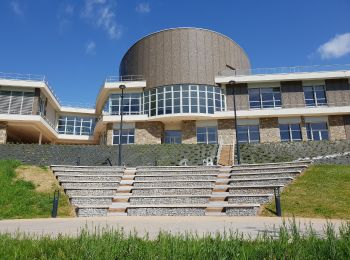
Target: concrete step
(260, 181)
(177, 183)
(169, 200)
(172, 191)
(91, 200)
(266, 168)
(253, 189)
(89, 185)
(249, 198)
(90, 192)
(272, 174)
(91, 178)
(172, 172)
(175, 177)
(279, 164)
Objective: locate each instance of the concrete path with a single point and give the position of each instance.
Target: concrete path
(249, 226)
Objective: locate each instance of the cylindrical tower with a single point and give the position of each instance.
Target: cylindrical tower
(183, 56)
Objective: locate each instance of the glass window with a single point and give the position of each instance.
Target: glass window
(71, 125)
(207, 135)
(317, 131)
(172, 137)
(16, 102)
(127, 137)
(290, 132)
(131, 103)
(248, 133)
(315, 96)
(184, 99)
(264, 98)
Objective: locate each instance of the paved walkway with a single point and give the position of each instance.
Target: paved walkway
(152, 225)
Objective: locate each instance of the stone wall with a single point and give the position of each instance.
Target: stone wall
(109, 139)
(189, 132)
(292, 94)
(338, 92)
(226, 131)
(347, 126)
(149, 132)
(242, 98)
(336, 128)
(3, 133)
(269, 130)
(303, 129)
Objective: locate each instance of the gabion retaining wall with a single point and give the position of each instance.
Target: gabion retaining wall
(133, 155)
(283, 152)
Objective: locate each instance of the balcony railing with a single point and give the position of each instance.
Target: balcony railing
(286, 70)
(124, 78)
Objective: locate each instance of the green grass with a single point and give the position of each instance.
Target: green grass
(322, 191)
(19, 199)
(290, 244)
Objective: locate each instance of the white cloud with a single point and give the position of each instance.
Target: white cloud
(68, 9)
(143, 8)
(90, 47)
(16, 8)
(101, 14)
(336, 47)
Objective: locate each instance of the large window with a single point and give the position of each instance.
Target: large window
(16, 102)
(315, 96)
(317, 131)
(128, 136)
(264, 97)
(131, 101)
(183, 99)
(248, 134)
(290, 132)
(172, 137)
(207, 135)
(73, 125)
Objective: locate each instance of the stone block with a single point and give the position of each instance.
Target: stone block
(269, 130)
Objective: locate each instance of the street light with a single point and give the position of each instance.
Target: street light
(235, 111)
(122, 87)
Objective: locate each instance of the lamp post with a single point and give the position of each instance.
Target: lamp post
(235, 112)
(122, 87)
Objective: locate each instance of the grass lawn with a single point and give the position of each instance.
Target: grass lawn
(290, 244)
(27, 191)
(322, 191)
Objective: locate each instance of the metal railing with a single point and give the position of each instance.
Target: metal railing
(77, 105)
(286, 70)
(124, 78)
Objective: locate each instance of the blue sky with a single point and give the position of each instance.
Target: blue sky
(76, 44)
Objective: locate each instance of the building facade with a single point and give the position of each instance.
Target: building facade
(180, 88)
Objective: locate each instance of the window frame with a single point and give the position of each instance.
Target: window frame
(206, 131)
(261, 101)
(316, 102)
(248, 134)
(290, 132)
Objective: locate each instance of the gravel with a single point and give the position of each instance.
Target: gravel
(249, 199)
(84, 192)
(90, 201)
(171, 191)
(169, 200)
(253, 211)
(205, 184)
(91, 212)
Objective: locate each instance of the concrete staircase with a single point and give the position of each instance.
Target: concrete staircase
(175, 190)
(90, 188)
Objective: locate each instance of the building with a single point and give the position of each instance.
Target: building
(179, 89)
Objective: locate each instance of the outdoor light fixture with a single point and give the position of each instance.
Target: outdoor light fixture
(122, 87)
(233, 83)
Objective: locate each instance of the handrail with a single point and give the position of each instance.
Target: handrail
(124, 78)
(285, 70)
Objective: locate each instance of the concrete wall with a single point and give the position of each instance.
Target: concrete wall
(3, 133)
(182, 55)
(292, 94)
(336, 128)
(109, 129)
(338, 92)
(269, 130)
(149, 132)
(189, 132)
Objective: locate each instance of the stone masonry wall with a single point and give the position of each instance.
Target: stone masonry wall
(269, 130)
(3, 133)
(347, 126)
(226, 131)
(189, 132)
(149, 132)
(336, 128)
(109, 134)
